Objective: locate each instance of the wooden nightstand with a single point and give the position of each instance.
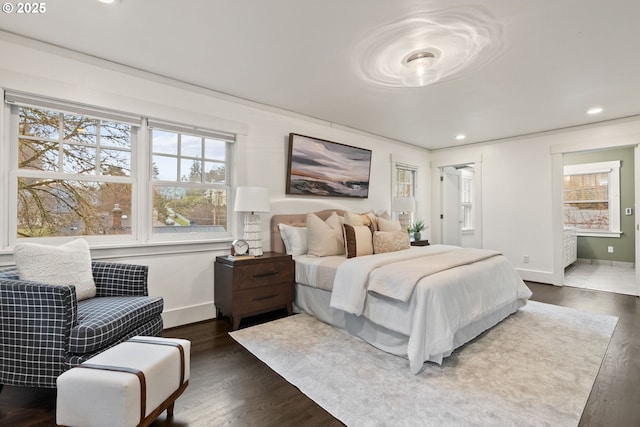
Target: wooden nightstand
(246, 287)
(419, 243)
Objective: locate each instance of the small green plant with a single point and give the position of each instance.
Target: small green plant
(417, 226)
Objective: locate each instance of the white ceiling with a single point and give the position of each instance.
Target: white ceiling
(557, 59)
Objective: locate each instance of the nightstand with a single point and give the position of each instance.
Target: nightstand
(246, 287)
(419, 243)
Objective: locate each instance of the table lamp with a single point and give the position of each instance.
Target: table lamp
(252, 199)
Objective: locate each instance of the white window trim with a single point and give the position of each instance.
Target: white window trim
(465, 174)
(399, 164)
(142, 236)
(613, 169)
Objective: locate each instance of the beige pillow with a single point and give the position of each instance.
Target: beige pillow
(388, 225)
(390, 241)
(358, 240)
(324, 238)
(367, 219)
(68, 264)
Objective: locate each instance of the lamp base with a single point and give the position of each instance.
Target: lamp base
(252, 234)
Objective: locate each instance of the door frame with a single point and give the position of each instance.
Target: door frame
(436, 195)
(557, 215)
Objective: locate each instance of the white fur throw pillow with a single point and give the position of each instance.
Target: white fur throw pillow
(294, 238)
(68, 264)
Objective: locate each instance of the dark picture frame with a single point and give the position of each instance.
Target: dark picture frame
(317, 167)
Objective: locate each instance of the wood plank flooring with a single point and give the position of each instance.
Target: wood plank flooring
(230, 387)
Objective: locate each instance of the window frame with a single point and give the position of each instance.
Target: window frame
(468, 213)
(227, 185)
(613, 169)
(139, 177)
(413, 187)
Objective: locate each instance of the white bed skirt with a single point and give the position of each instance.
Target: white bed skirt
(315, 302)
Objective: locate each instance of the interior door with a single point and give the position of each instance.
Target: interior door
(451, 216)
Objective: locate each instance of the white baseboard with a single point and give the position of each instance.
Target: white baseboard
(185, 315)
(536, 275)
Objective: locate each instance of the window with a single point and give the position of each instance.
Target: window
(592, 198)
(73, 173)
(404, 185)
(466, 198)
(190, 182)
(82, 171)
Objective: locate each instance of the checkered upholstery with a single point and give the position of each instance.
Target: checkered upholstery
(102, 321)
(44, 330)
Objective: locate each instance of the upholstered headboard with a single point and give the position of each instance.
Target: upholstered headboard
(295, 220)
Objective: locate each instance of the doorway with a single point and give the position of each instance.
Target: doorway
(460, 205)
(599, 220)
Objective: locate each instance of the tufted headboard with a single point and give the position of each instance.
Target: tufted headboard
(295, 220)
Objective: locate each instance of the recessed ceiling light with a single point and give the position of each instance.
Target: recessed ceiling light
(594, 111)
(460, 136)
(108, 1)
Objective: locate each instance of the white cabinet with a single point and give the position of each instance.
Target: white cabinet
(570, 246)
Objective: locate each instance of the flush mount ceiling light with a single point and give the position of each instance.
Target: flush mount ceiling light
(428, 47)
(422, 60)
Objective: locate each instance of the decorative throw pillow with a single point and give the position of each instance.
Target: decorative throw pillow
(390, 241)
(295, 239)
(388, 225)
(68, 264)
(358, 240)
(367, 219)
(324, 238)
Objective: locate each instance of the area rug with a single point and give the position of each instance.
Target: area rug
(535, 368)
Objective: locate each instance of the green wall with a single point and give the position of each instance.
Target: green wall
(623, 247)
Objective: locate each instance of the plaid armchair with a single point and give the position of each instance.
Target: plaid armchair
(45, 331)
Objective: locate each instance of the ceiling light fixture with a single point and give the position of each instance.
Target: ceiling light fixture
(593, 111)
(422, 60)
(108, 1)
(442, 44)
(460, 136)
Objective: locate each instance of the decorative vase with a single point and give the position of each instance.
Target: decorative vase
(417, 236)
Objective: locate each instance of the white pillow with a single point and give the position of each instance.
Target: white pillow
(325, 237)
(295, 239)
(68, 264)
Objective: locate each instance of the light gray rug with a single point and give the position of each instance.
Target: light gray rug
(536, 368)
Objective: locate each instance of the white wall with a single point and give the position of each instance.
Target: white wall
(521, 190)
(183, 274)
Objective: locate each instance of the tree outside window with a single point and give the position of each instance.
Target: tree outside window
(74, 174)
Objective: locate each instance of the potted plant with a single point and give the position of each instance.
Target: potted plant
(416, 228)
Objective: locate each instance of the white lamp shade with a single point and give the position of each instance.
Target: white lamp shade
(403, 204)
(252, 199)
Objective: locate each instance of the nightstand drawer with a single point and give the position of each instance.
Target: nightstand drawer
(258, 300)
(256, 275)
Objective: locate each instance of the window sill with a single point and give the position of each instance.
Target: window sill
(593, 233)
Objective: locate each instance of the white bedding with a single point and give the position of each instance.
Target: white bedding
(446, 308)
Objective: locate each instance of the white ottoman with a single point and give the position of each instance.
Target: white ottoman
(129, 384)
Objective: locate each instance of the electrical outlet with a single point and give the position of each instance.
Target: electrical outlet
(526, 259)
(610, 249)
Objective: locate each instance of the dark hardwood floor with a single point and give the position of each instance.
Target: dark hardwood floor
(230, 387)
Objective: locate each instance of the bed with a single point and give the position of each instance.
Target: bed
(420, 303)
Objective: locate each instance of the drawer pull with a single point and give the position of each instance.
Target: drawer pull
(268, 273)
(265, 297)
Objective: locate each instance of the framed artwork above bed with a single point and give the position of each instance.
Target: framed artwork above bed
(317, 167)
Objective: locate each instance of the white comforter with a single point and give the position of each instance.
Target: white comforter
(461, 295)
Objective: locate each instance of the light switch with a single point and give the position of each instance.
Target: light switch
(628, 211)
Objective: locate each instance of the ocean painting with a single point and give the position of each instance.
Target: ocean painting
(324, 168)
